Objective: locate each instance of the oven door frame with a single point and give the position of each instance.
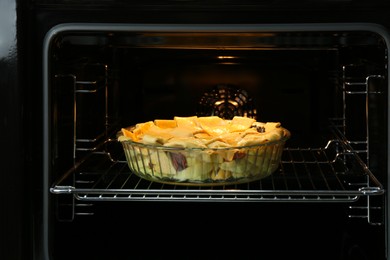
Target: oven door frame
(81, 27)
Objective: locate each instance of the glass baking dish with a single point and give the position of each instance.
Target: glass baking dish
(204, 166)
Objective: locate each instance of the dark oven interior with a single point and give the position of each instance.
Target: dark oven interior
(327, 85)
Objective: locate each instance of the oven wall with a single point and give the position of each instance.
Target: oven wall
(203, 11)
(15, 205)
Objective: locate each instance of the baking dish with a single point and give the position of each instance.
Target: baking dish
(203, 166)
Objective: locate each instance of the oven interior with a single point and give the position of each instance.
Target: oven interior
(328, 87)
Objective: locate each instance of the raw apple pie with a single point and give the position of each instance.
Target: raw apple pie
(203, 150)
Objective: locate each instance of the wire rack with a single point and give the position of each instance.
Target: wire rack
(304, 174)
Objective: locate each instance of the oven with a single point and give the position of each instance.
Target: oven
(87, 69)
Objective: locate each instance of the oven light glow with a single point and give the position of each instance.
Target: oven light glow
(226, 57)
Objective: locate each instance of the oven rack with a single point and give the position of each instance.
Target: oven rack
(334, 173)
